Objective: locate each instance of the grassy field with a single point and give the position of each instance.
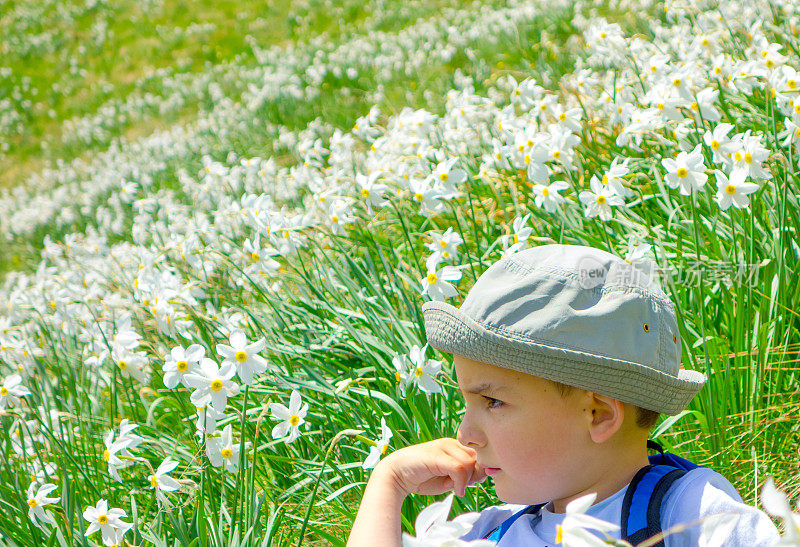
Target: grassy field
(77, 61)
(229, 183)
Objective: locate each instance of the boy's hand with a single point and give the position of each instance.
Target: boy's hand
(433, 468)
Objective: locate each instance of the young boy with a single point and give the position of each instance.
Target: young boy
(565, 355)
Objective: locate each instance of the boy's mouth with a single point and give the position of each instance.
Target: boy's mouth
(491, 470)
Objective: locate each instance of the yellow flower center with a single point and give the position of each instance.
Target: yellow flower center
(443, 177)
(556, 154)
(676, 82)
(335, 219)
(797, 132)
(601, 200)
(3, 391)
(797, 108)
(216, 385)
(102, 519)
(227, 453)
(431, 278)
(122, 365)
(294, 420)
(182, 366)
(106, 455)
(545, 192)
(660, 106)
(730, 189)
(516, 238)
(397, 377)
(792, 84)
(240, 356)
(32, 502)
(418, 196)
(770, 63)
(418, 372)
(737, 156)
(365, 192)
(385, 447)
(254, 256)
(695, 106)
(153, 481)
(748, 157)
(605, 179)
(715, 144)
(562, 117)
(682, 172)
(443, 244)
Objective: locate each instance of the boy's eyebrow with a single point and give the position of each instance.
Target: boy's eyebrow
(484, 387)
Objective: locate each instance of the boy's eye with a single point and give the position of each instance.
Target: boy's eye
(491, 402)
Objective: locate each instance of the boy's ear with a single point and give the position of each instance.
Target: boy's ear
(604, 416)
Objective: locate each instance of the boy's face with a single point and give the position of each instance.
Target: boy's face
(532, 441)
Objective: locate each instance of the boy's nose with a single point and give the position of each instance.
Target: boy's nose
(469, 436)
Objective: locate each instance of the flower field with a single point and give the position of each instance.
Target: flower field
(213, 267)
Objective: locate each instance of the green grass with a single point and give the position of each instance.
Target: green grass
(74, 71)
(350, 302)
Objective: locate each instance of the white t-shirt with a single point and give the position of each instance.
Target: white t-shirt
(699, 493)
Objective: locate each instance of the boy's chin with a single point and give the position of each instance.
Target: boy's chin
(515, 494)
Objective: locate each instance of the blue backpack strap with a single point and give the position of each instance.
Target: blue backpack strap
(641, 507)
(666, 458)
(501, 530)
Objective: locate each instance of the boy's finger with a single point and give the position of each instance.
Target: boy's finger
(461, 474)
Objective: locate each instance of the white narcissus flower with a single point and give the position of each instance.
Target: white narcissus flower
(573, 530)
(212, 384)
(181, 362)
(686, 171)
(432, 528)
(599, 200)
(445, 244)
(293, 417)
(750, 155)
(547, 195)
(108, 521)
(613, 178)
(720, 144)
(371, 193)
(122, 445)
(734, 190)
(380, 447)
(223, 451)
(703, 104)
(162, 482)
(521, 232)
(131, 363)
(37, 503)
(244, 356)
(207, 419)
(445, 178)
(400, 364)
(436, 285)
(11, 390)
(423, 370)
(776, 503)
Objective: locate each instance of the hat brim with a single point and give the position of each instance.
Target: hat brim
(450, 330)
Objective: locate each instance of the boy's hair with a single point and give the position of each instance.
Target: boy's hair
(646, 419)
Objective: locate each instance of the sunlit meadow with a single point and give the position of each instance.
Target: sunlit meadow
(214, 257)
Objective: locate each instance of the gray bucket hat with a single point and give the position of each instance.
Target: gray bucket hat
(575, 315)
